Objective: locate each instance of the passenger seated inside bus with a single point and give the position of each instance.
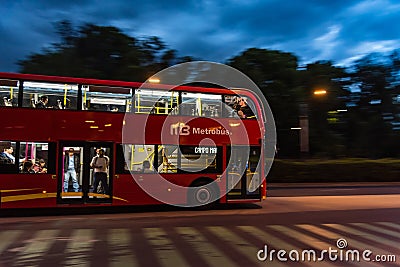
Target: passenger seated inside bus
(146, 166)
(27, 167)
(7, 102)
(6, 154)
(42, 102)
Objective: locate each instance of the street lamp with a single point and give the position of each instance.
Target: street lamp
(320, 92)
(303, 123)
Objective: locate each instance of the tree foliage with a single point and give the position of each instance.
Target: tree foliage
(102, 52)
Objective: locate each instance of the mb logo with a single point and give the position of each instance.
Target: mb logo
(179, 128)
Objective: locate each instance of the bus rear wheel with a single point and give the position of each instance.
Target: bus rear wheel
(203, 194)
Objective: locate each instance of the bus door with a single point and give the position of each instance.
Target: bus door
(78, 180)
(243, 177)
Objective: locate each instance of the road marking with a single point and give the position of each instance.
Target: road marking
(37, 246)
(353, 243)
(120, 252)
(392, 225)
(267, 239)
(375, 238)
(317, 244)
(242, 246)
(164, 248)
(78, 250)
(316, 230)
(377, 229)
(7, 238)
(203, 247)
(79, 246)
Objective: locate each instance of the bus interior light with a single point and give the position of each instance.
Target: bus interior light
(51, 86)
(154, 80)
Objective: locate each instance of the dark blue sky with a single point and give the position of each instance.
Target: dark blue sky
(214, 30)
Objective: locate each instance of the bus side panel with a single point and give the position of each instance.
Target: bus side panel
(28, 190)
(147, 189)
(127, 192)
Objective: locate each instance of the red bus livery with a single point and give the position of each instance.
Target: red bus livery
(182, 146)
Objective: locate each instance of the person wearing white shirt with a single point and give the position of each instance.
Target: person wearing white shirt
(100, 165)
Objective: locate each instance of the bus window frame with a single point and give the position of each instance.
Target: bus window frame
(182, 103)
(86, 89)
(176, 109)
(71, 92)
(171, 109)
(13, 86)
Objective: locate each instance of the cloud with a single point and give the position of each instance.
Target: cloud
(212, 30)
(328, 42)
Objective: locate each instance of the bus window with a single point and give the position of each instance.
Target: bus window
(201, 159)
(137, 158)
(8, 93)
(105, 98)
(167, 159)
(149, 101)
(239, 106)
(59, 96)
(7, 157)
(34, 158)
(203, 105)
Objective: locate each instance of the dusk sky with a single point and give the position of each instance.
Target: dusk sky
(214, 30)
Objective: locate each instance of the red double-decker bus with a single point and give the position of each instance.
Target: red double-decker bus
(181, 145)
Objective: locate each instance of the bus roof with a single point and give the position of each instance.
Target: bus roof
(90, 81)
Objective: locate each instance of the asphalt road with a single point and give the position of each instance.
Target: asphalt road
(310, 224)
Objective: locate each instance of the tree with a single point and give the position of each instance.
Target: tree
(276, 74)
(375, 78)
(327, 125)
(102, 52)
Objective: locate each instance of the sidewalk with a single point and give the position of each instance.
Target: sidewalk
(331, 185)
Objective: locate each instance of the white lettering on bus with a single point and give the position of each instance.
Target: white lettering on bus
(183, 129)
(213, 131)
(205, 150)
(179, 129)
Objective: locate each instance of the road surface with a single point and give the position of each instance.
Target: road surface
(298, 225)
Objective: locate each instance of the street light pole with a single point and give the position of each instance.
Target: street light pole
(304, 132)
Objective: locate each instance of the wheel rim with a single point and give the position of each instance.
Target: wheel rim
(203, 195)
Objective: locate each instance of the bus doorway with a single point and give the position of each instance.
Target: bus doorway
(85, 172)
(243, 176)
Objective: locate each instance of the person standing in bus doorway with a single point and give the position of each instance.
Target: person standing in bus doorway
(100, 164)
(71, 168)
(43, 102)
